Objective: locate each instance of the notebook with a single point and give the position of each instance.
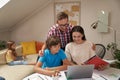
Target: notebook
(37, 76)
(80, 72)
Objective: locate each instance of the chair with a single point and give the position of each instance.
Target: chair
(100, 50)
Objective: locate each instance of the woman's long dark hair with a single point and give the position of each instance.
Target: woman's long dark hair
(9, 46)
(78, 29)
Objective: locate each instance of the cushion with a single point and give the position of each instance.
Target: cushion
(2, 57)
(28, 47)
(19, 50)
(17, 72)
(20, 71)
(38, 46)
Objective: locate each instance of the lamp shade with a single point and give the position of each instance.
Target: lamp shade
(95, 26)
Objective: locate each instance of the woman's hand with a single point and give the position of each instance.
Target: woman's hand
(94, 47)
(102, 67)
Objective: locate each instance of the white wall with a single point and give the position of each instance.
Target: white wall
(5, 35)
(37, 26)
(90, 9)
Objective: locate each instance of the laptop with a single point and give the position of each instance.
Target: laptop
(80, 72)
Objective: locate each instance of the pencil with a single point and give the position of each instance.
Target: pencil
(103, 77)
(40, 77)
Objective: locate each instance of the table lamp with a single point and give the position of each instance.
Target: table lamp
(95, 26)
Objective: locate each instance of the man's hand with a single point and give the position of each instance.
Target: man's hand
(41, 52)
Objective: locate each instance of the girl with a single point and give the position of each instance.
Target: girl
(11, 55)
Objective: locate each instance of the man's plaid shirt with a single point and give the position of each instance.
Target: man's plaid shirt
(64, 36)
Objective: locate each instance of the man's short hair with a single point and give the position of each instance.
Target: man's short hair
(62, 15)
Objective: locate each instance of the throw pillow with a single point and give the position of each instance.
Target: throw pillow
(39, 46)
(28, 47)
(2, 57)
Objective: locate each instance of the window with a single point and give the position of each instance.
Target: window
(71, 8)
(3, 2)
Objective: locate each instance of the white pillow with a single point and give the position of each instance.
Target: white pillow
(2, 57)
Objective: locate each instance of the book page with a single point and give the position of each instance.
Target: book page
(109, 73)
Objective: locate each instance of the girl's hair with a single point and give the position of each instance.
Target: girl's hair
(52, 41)
(78, 29)
(9, 46)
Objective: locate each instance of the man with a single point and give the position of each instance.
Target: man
(61, 29)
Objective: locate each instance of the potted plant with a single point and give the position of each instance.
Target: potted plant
(115, 52)
(2, 45)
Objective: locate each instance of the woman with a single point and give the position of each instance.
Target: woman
(79, 50)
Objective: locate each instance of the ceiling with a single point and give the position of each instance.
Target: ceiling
(17, 10)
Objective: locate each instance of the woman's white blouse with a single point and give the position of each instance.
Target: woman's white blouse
(79, 53)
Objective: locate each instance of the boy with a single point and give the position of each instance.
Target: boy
(50, 63)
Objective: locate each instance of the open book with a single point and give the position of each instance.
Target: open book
(97, 61)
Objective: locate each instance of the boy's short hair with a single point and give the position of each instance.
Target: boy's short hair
(62, 15)
(52, 41)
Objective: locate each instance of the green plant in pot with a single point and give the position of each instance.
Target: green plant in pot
(2, 45)
(115, 52)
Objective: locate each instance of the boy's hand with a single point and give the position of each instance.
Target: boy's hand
(52, 73)
(48, 69)
(56, 72)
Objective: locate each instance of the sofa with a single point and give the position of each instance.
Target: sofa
(16, 72)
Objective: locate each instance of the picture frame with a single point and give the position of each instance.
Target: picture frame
(71, 8)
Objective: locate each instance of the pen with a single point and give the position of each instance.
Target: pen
(59, 75)
(103, 77)
(40, 77)
(46, 78)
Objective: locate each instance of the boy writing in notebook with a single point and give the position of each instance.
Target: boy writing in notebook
(50, 63)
